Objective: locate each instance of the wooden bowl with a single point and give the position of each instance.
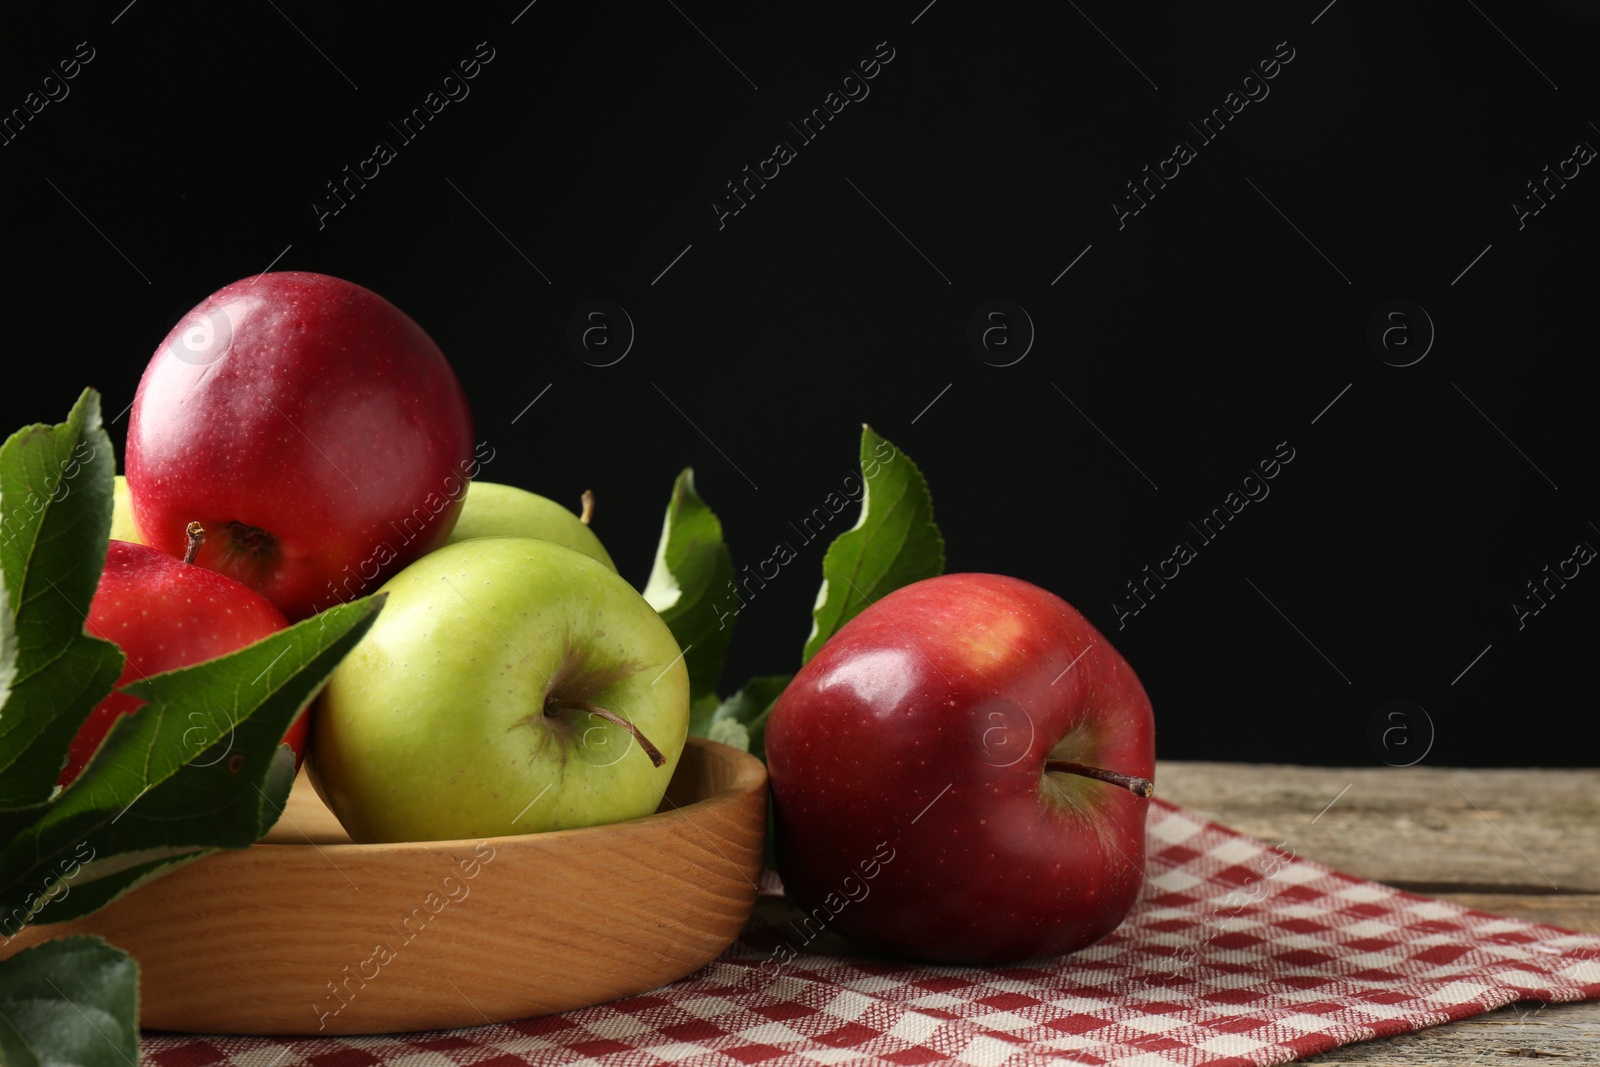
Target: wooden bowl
(307, 933)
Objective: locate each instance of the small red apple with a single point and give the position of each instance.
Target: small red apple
(959, 775)
(164, 614)
(313, 429)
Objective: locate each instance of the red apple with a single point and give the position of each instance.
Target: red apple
(959, 775)
(313, 429)
(165, 614)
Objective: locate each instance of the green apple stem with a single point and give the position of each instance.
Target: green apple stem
(1142, 787)
(612, 717)
(197, 537)
(588, 507)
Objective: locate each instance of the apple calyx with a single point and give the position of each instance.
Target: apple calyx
(197, 537)
(588, 507)
(552, 707)
(1140, 787)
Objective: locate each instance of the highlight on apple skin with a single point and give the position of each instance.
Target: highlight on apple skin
(314, 430)
(979, 743)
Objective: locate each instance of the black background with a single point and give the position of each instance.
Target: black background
(1217, 322)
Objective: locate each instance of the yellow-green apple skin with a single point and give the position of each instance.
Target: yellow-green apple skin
(495, 510)
(122, 527)
(447, 721)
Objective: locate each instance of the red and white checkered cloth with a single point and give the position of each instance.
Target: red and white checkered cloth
(1237, 953)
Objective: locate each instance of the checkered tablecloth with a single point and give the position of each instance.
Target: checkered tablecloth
(1237, 953)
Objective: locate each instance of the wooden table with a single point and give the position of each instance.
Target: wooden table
(1514, 842)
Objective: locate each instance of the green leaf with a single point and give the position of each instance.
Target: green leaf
(731, 732)
(893, 543)
(74, 1000)
(201, 767)
(693, 568)
(741, 720)
(8, 646)
(55, 516)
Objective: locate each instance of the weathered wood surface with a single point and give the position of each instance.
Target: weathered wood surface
(1428, 829)
(1514, 842)
(1519, 1033)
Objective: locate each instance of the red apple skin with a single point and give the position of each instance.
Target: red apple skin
(914, 813)
(311, 409)
(165, 614)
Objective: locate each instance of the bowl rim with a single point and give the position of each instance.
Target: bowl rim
(750, 774)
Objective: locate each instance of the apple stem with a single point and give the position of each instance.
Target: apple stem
(1142, 787)
(612, 717)
(588, 507)
(197, 537)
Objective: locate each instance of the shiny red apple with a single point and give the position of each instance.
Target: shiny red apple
(314, 430)
(959, 775)
(165, 614)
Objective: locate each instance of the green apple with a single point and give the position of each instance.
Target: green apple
(494, 510)
(510, 685)
(122, 526)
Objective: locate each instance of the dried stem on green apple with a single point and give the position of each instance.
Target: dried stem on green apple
(1142, 787)
(588, 507)
(612, 717)
(197, 537)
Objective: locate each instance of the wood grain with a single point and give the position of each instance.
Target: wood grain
(1429, 829)
(1516, 1034)
(307, 933)
(1580, 913)
(1524, 843)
